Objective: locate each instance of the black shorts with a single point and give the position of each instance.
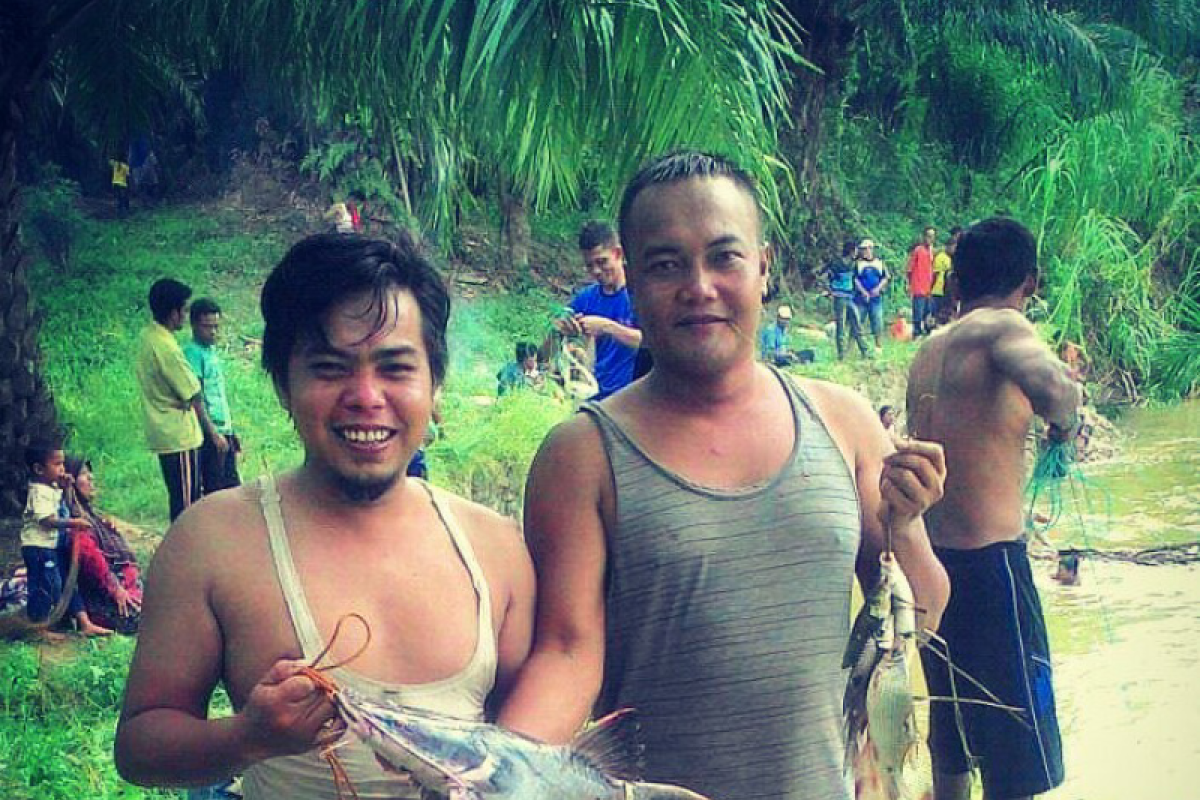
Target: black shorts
(995, 631)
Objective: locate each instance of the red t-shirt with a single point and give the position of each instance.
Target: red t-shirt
(920, 271)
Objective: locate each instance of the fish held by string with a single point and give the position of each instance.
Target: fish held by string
(466, 760)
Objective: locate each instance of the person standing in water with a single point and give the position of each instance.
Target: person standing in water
(975, 387)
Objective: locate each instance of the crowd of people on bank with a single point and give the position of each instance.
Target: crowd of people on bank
(693, 533)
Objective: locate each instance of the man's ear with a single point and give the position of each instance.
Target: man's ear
(619, 252)
(1030, 286)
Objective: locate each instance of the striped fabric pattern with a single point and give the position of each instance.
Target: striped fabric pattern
(727, 614)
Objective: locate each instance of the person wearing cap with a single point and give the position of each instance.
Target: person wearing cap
(774, 340)
(870, 280)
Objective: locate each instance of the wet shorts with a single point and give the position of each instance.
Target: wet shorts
(996, 633)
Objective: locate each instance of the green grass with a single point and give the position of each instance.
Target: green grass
(58, 721)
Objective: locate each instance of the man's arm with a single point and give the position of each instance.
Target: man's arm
(1022, 357)
(164, 737)
(206, 424)
(594, 325)
(894, 487)
(516, 631)
(569, 483)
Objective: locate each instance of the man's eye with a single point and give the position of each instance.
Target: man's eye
(661, 267)
(326, 369)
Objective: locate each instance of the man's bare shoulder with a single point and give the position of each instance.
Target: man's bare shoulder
(211, 525)
(482, 523)
(985, 326)
(837, 404)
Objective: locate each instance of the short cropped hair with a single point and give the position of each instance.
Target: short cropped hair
(167, 295)
(993, 258)
(682, 166)
(525, 350)
(322, 270)
(202, 306)
(596, 233)
(39, 451)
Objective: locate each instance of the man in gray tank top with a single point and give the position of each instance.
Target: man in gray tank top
(696, 534)
(250, 584)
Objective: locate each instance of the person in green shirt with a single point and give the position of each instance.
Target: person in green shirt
(218, 454)
(170, 395)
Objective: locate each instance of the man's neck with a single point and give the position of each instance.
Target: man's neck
(1014, 301)
(694, 394)
(611, 290)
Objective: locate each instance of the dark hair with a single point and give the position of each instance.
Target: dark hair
(681, 166)
(322, 270)
(167, 295)
(525, 350)
(39, 451)
(957, 229)
(884, 410)
(849, 247)
(993, 258)
(596, 233)
(202, 306)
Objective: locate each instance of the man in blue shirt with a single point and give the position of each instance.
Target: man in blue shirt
(218, 454)
(603, 310)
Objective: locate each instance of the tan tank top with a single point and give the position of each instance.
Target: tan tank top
(307, 776)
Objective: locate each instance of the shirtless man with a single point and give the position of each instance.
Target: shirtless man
(696, 536)
(975, 386)
(249, 585)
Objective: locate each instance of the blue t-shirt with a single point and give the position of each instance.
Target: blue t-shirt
(614, 361)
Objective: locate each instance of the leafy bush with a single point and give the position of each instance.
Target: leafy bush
(52, 218)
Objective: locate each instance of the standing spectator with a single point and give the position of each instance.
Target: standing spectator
(776, 349)
(920, 280)
(841, 292)
(218, 454)
(943, 263)
(170, 395)
(870, 279)
(603, 310)
(120, 183)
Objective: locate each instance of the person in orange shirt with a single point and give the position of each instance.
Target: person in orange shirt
(920, 279)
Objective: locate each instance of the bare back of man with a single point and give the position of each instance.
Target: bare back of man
(961, 395)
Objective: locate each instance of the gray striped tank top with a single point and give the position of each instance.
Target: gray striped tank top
(727, 614)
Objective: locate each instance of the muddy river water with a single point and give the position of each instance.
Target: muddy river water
(1126, 641)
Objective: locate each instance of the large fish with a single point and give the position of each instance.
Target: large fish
(463, 760)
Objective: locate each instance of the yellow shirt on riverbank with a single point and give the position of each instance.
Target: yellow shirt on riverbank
(941, 268)
(168, 386)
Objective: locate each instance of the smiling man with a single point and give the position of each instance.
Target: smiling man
(696, 536)
(603, 310)
(251, 583)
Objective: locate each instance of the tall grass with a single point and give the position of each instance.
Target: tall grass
(1110, 202)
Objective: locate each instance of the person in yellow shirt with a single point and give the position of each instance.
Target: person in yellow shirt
(942, 264)
(120, 182)
(170, 393)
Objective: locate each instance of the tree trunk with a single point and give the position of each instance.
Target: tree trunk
(26, 407)
(514, 228)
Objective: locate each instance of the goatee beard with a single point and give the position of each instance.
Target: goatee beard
(364, 490)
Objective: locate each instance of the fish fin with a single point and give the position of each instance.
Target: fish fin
(613, 745)
(660, 791)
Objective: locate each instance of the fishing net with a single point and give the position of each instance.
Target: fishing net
(1072, 513)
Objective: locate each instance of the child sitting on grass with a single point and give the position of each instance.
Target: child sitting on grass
(40, 540)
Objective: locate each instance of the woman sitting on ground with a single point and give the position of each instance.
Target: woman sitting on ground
(109, 581)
